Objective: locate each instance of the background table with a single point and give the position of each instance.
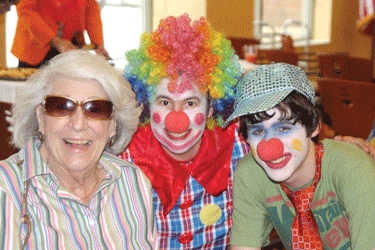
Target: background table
(8, 90)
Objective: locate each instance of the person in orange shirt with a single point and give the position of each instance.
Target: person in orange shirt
(46, 28)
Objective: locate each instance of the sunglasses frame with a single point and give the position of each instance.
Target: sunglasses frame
(78, 104)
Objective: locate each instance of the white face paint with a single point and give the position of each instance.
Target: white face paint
(281, 148)
(178, 119)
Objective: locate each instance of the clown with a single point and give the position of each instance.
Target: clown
(316, 195)
(179, 118)
(184, 75)
(282, 148)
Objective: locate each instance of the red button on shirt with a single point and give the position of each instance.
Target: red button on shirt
(186, 204)
(185, 238)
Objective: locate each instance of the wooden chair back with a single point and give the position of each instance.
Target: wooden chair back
(276, 56)
(5, 136)
(342, 66)
(238, 44)
(350, 105)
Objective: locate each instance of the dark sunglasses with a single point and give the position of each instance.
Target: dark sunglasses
(58, 106)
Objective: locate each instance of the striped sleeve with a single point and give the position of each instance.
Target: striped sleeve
(152, 237)
(10, 194)
(10, 230)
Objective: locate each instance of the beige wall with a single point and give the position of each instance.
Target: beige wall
(164, 8)
(231, 19)
(345, 37)
(236, 20)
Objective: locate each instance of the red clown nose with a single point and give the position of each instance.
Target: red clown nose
(177, 122)
(270, 150)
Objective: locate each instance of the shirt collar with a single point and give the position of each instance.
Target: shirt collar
(33, 165)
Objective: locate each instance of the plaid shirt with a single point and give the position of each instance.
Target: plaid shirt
(186, 226)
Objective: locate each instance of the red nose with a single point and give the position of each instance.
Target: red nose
(177, 122)
(270, 150)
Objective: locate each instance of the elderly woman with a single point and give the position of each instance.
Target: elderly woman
(66, 189)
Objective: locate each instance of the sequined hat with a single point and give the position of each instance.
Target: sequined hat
(266, 86)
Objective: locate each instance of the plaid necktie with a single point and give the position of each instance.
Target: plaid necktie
(305, 232)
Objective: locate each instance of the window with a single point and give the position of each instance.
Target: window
(11, 23)
(123, 22)
(297, 18)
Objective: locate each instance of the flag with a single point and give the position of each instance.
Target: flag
(366, 20)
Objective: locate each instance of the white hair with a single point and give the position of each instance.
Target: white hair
(80, 65)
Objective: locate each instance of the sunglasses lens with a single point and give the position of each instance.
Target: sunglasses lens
(59, 106)
(98, 109)
(62, 107)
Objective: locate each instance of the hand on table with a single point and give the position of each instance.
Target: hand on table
(102, 51)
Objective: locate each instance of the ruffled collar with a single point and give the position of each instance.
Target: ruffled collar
(210, 167)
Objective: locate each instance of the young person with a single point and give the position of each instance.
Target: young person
(317, 196)
(185, 75)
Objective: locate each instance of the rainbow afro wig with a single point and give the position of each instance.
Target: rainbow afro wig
(194, 52)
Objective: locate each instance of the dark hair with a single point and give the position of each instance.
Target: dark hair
(295, 107)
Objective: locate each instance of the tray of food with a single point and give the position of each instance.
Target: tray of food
(16, 74)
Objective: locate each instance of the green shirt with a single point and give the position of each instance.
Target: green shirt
(343, 204)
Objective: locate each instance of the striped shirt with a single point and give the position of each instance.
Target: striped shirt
(119, 216)
(190, 224)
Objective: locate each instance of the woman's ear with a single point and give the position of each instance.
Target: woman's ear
(112, 128)
(41, 118)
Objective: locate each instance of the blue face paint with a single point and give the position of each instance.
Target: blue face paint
(280, 147)
(279, 129)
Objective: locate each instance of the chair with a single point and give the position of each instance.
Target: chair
(238, 44)
(5, 136)
(276, 56)
(350, 105)
(343, 66)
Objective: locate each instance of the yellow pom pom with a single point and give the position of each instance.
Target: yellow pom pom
(210, 214)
